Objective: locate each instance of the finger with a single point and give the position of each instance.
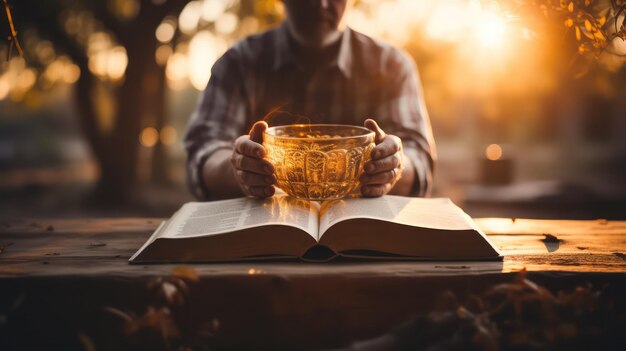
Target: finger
(251, 164)
(389, 146)
(256, 132)
(385, 164)
(247, 147)
(372, 125)
(379, 178)
(254, 179)
(375, 190)
(260, 191)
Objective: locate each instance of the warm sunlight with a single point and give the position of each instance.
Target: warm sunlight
(490, 29)
(205, 168)
(450, 21)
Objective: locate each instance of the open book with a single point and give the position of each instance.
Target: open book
(284, 227)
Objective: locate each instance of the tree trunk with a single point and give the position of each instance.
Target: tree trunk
(140, 98)
(116, 153)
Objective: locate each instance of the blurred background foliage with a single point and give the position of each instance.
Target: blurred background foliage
(533, 91)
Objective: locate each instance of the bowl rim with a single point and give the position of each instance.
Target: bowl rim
(369, 131)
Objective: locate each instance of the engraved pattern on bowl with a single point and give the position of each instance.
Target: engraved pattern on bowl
(318, 162)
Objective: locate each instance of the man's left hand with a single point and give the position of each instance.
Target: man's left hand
(385, 167)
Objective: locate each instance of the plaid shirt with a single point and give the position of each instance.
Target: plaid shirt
(261, 76)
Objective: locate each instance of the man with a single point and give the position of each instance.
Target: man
(314, 66)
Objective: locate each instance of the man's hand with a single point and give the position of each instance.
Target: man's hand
(385, 167)
(254, 174)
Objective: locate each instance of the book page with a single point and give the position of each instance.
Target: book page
(436, 213)
(216, 217)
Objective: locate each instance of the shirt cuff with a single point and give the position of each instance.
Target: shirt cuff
(195, 164)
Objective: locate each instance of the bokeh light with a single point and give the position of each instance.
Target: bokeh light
(149, 137)
(204, 49)
(176, 70)
(227, 23)
(106, 60)
(26, 79)
(162, 54)
(212, 9)
(98, 64)
(4, 88)
(168, 135)
(45, 52)
(493, 152)
(125, 10)
(117, 61)
(189, 17)
(71, 73)
(165, 31)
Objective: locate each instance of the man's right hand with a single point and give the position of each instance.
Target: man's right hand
(254, 174)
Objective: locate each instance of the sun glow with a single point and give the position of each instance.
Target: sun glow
(451, 21)
(204, 49)
(490, 30)
(448, 22)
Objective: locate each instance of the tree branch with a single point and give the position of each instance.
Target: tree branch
(13, 38)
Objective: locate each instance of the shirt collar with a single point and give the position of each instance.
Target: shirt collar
(284, 55)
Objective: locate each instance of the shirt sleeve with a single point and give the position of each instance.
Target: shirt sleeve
(218, 119)
(403, 113)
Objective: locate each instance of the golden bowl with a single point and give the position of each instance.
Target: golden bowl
(318, 161)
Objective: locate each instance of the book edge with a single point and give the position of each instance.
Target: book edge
(226, 260)
(423, 258)
(150, 240)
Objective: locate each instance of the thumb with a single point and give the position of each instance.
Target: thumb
(372, 125)
(256, 132)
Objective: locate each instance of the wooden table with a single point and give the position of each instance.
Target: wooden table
(62, 273)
